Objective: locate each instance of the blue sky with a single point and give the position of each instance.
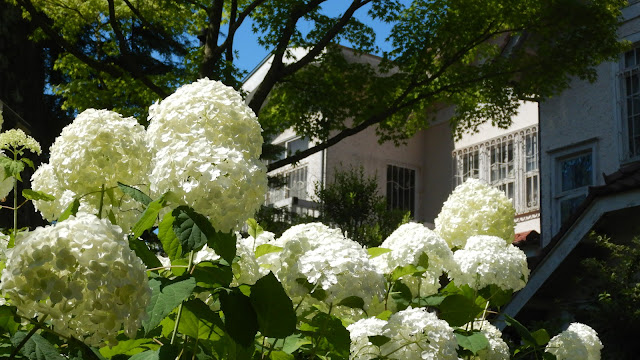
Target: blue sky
(250, 54)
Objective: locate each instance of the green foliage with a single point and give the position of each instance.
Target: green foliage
(166, 295)
(351, 203)
(36, 347)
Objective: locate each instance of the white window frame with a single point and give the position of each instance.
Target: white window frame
(560, 195)
(299, 190)
(517, 174)
(285, 154)
(415, 187)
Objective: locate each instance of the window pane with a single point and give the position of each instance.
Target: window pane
(297, 145)
(576, 172)
(569, 206)
(401, 184)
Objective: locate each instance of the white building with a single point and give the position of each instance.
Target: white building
(590, 159)
(420, 175)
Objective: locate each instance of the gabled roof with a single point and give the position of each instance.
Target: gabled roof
(621, 190)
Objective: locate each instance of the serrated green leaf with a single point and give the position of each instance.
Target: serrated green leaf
(71, 210)
(200, 322)
(8, 319)
(473, 341)
(401, 271)
(142, 251)
(135, 194)
(28, 162)
(401, 295)
(148, 218)
(254, 228)
(541, 336)
(354, 302)
(458, 310)
(129, 347)
(212, 275)
(37, 195)
(166, 295)
(385, 315)
(379, 340)
(240, 319)
(11, 167)
(432, 300)
(265, 249)
(273, 308)
(224, 244)
(191, 228)
(377, 251)
(36, 348)
(168, 239)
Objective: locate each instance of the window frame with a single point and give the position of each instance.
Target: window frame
(414, 198)
(558, 194)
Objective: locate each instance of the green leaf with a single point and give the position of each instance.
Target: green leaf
(165, 352)
(401, 271)
(148, 218)
(385, 315)
(136, 194)
(265, 249)
(377, 251)
(128, 347)
(401, 295)
(8, 319)
(28, 162)
(431, 300)
(541, 336)
(354, 302)
(191, 229)
(496, 295)
(273, 308)
(11, 167)
(458, 310)
(37, 195)
(36, 348)
(71, 210)
(318, 293)
(335, 334)
(254, 229)
(294, 342)
(240, 319)
(166, 295)
(526, 335)
(379, 340)
(200, 322)
(280, 355)
(473, 341)
(224, 244)
(212, 275)
(142, 251)
(423, 261)
(168, 239)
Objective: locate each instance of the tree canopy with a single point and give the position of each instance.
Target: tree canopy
(481, 57)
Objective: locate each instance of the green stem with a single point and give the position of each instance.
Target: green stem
(26, 338)
(175, 327)
(15, 208)
(101, 202)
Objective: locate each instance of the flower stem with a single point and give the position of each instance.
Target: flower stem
(101, 202)
(15, 208)
(175, 327)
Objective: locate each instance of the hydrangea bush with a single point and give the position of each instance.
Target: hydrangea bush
(143, 259)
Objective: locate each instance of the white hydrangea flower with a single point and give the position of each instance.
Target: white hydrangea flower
(578, 342)
(361, 347)
(16, 139)
(82, 274)
(206, 144)
(475, 208)
(418, 334)
(44, 179)
(407, 244)
(100, 147)
(498, 349)
(327, 260)
(487, 260)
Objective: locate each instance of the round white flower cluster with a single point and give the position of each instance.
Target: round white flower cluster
(578, 342)
(414, 333)
(17, 140)
(100, 147)
(82, 274)
(498, 349)
(44, 179)
(475, 208)
(407, 244)
(488, 260)
(206, 144)
(324, 258)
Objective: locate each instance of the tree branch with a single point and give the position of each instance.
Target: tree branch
(162, 34)
(211, 39)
